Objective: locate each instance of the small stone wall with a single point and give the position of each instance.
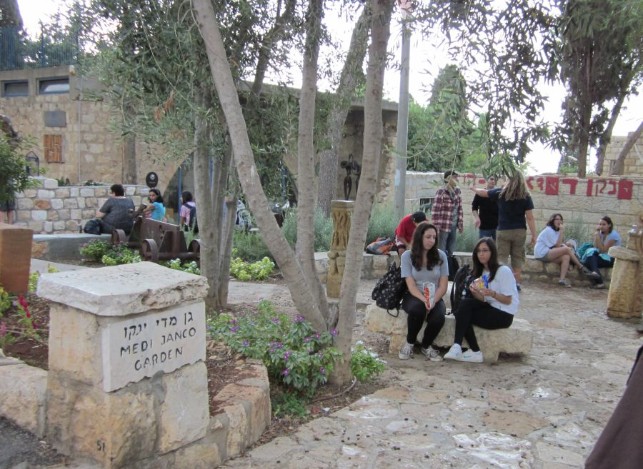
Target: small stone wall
(50, 209)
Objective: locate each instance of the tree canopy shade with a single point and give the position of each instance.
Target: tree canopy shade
(13, 166)
(599, 58)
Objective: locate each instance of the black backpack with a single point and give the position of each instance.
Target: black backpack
(453, 267)
(390, 289)
(194, 225)
(460, 288)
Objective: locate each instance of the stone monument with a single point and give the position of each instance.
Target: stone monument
(624, 297)
(127, 382)
(341, 212)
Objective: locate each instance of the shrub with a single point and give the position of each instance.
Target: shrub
(294, 354)
(323, 229)
(189, 267)
(250, 246)
(94, 250)
(245, 271)
(5, 301)
(120, 255)
(465, 241)
(382, 223)
(365, 365)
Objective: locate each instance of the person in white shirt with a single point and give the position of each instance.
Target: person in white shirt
(550, 247)
(491, 304)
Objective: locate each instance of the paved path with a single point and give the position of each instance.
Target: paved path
(544, 410)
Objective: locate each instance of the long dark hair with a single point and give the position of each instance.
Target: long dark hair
(417, 246)
(159, 197)
(550, 223)
(608, 220)
(493, 264)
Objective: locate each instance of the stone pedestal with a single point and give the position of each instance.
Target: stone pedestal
(624, 297)
(15, 258)
(341, 212)
(127, 380)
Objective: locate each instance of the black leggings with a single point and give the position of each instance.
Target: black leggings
(416, 311)
(472, 312)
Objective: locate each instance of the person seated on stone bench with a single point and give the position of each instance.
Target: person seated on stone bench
(550, 247)
(405, 229)
(424, 264)
(596, 257)
(492, 303)
(116, 212)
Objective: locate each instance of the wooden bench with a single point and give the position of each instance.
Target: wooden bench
(517, 339)
(157, 240)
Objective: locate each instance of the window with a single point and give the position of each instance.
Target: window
(11, 89)
(54, 148)
(53, 85)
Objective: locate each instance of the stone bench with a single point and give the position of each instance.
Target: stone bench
(517, 339)
(62, 247)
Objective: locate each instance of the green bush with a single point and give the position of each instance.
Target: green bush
(365, 365)
(382, 223)
(245, 271)
(95, 250)
(295, 355)
(465, 241)
(189, 267)
(5, 301)
(250, 246)
(323, 229)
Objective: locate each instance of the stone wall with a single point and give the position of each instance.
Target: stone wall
(633, 164)
(51, 208)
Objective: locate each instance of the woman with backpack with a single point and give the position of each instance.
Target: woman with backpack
(187, 212)
(492, 303)
(422, 266)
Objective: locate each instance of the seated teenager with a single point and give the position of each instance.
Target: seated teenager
(550, 247)
(492, 304)
(116, 212)
(426, 271)
(156, 209)
(405, 229)
(596, 257)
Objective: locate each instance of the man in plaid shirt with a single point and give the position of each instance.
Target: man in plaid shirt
(447, 212)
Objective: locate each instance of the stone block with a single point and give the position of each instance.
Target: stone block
(23, 389)
(516, 339)
(256, 404)
(184, 415)
(46, 194)
(15, 258)
(112, 429)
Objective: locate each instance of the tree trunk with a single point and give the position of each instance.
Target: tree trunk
(350, 78)
(373, 135)
(619, 164)
(129, 160)
(298, 283)
(606, 136)
(305, 155)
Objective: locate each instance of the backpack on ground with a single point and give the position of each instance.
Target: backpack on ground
(381, 246)
(93, 226)
(193, 225)
(460, 288)
(389, 290)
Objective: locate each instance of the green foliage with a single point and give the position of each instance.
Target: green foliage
(289, 404)
(34, 277)
(249, 246)
(365, 365)
(245, 271)
(465, 241)
(95, 250)
(323, 229)
(108, 254)
(294, 354)
(189, 267)
(13, 168)
(441, 136)
(382, 223)
(5, 301)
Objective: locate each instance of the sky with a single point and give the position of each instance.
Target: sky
(425, 62)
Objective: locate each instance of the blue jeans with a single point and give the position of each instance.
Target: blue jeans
(487, 234)
(594, 263)
(446, 241)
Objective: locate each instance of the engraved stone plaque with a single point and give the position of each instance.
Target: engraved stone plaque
(140, 347)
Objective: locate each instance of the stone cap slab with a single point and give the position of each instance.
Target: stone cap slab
(122, 290)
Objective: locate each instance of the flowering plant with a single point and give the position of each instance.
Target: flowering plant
(294, 353)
